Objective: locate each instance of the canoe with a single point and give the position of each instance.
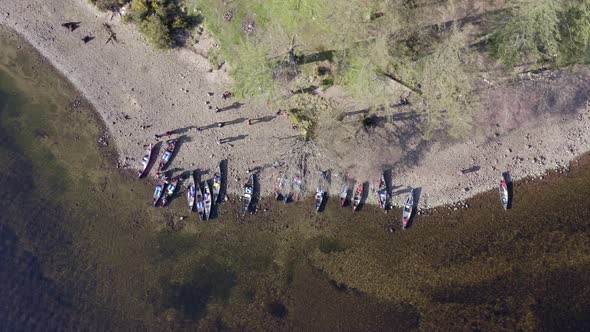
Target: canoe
(248, 191)
(191, 192)
(145, 161)
(279, 186)
(199, 201)
(357, 197)
(382, 193)
(216, 187)
(285, 191)
(296, 189)
(170, 189)
(319, 198)
(408, 209)
(503, 189)
(343, 195)
(320, 192)
(207, 200)
(167, 154)
(159, 190)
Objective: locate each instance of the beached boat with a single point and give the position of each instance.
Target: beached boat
(216, 187)
(408, 209)
(382, 193)
(248, 192)
(170, 189)
(286, 192)
(279, 186)
(296, 189)
(159, 190)
(319, 198)
(503, 189)
(199, 201)
(191, 192)
(357, 197)
(320, 192)
(343, 195)
(207, 200)
(145, 161)
(167, 154)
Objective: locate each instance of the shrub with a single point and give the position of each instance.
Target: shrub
(302, 119)
(361, 71)
(161, 21)
(156, 32)
(447, 87)
(531, 33)
(544, 31)
(575, 32)
(105, 5)
(139, 10)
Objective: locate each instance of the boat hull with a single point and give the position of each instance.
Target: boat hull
(170, 189)
(207, 200)
(191, 193)
(248, 192)
(408, 210)
(167, 154)
(199, 202)
(145, 161)
(503, 190)
(216, 188)
(356, 202)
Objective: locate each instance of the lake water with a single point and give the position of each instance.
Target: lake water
(81, 247)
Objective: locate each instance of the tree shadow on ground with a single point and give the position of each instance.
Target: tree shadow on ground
(405, 116)
(351, 113)
(209, 281)
(319, 56)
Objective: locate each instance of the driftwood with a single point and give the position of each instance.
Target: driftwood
(112, 34)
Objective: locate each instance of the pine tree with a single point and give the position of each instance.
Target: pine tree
(531, 33)
(447, 87)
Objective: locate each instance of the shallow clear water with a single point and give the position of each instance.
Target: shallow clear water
(82, 248)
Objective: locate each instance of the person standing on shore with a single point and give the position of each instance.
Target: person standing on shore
(168, 133)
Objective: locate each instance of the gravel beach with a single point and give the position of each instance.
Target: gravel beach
(139, 92)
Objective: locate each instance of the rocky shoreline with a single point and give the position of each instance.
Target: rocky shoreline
(139, 92)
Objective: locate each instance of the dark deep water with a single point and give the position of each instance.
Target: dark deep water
(81, 248)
